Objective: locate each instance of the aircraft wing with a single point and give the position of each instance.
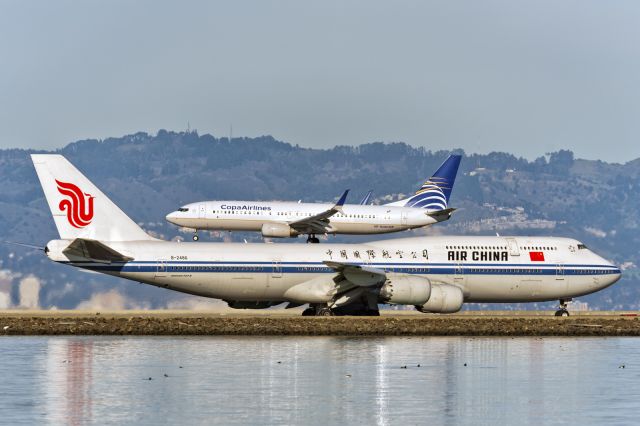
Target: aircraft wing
(317, 224)
(94, 250)
(349, 282)
(361, 276)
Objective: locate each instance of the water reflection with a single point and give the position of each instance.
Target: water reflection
(69, 371)
(66, 380)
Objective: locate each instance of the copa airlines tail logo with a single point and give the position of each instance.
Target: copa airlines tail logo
(430, 195)
(78, 205)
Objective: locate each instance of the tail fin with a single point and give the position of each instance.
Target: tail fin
(434, 194)
(78, 207)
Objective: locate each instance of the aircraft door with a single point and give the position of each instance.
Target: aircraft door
(403, 217)
(514, 250)
(276, 269)
(161, 268)
(458, 273)
(202, 211)
(559, 272)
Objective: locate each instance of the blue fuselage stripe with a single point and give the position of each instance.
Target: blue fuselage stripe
(318, 267)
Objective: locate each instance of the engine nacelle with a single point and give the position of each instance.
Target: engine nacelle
(445, 299)
(405, 290)
(278, 230)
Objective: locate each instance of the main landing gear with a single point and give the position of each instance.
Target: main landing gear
(355, 309)
(562, 308)
(317, 311)
(312, 239)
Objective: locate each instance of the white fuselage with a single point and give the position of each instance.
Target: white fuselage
(486, 269)
(251, 216)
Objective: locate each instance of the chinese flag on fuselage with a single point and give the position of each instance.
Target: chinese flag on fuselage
(536, 256)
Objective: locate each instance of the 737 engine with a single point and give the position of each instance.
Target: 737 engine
(278, 230)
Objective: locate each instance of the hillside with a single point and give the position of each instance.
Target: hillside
(151, 175)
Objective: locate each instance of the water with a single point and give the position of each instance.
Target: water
(323, 380)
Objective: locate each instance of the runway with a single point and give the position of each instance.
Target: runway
(288, 323)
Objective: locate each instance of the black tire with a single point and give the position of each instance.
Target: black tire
(562, 313)
(309, 312)
(324, 312)
(196, 238)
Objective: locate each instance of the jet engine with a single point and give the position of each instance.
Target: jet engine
(278, 230)
(445, 299)
(405, 290)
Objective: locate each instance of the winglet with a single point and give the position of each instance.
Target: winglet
(340, 203)
(317, 224)
(366, 198)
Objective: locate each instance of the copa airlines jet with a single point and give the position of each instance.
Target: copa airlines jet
(427, 206)
(434, 274)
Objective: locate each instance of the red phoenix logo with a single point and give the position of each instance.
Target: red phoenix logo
(78, 205)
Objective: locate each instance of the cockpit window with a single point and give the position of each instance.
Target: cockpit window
(183, 209)
(581, 246)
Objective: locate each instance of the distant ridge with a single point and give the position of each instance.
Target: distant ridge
(150, 175)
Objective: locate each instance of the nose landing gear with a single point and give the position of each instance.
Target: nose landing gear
(195, 236)
(562, 308)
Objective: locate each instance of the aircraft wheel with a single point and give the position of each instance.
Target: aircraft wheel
(324, 312)
(195, 237)
(562, 313)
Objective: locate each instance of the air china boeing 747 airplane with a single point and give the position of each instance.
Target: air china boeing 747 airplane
(284, 219)
(434, 274)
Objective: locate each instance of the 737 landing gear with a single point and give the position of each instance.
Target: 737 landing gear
(562, 309)
(311, 239)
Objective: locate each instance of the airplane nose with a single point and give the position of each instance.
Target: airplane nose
(614, 275)
(171, 217)
(617, 274)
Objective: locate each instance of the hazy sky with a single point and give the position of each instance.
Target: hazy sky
(524, 77)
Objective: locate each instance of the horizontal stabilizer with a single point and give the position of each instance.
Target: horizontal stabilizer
(94, 250)
(442, 215)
